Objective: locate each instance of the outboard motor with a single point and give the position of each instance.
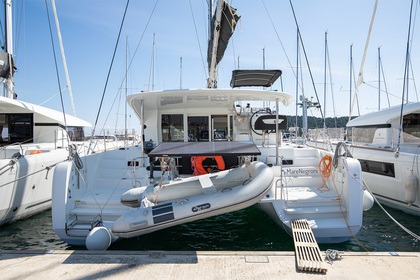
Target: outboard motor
(149, 146)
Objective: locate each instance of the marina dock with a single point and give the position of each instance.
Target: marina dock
(69, 264)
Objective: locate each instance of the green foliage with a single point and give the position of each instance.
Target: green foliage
(314, 122)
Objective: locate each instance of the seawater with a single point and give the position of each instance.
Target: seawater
(246, 230)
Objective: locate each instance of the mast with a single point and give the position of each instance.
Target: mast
(297, 80)
(263, 50)
(351, 71)
(180, 72)
(63, 56)
(360, 77)
(126, 85)
(10, 86)
(325, 76)
(152, 68)
(379, 78)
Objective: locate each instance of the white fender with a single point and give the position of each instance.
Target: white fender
(411, 188)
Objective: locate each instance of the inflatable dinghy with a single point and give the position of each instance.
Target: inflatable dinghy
(160, 206)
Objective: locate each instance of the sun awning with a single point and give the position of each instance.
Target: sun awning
(258, 78)
(222, 148)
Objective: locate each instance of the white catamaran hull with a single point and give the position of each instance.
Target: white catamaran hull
(334, 209)
(26, 184)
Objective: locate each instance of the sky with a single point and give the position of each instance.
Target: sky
(89, 30)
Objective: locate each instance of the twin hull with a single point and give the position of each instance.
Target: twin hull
(26, 183)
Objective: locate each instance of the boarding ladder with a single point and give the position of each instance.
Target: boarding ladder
(308, 255)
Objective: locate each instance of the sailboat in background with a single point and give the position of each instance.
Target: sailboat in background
(33, 140)
(387, 145)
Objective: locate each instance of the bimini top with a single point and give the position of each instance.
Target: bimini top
(202, 98)
(384, 116)
(42, 114)
(254, 78)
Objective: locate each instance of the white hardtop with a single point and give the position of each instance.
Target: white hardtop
(384, 116)
(202, 98)
(44, 115)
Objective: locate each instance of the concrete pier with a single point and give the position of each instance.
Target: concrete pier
(200, 265)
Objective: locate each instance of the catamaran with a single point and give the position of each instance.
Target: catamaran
(205, 152)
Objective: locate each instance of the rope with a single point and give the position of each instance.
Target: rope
(386, 212)
(390, 216)
(48, 168)
(325, 167)
(75, 156)
(332, 255)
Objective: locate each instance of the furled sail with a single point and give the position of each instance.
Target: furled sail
(5, 59)
(225, 28)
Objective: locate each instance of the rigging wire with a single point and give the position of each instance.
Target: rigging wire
(305, 55)
(16, 44)
(332, 88)
(109, 73)
(386, 88)
(385, 91)
(405, 83)
(57, 74)
(280, 41)
(356, 97)
(198, 41)
(414, 80)
(131, 62)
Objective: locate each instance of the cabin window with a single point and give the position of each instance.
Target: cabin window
(198, 128)
(362, 134)
(76, 133)
(219, 127)
(173, 128)
(4, 134)
(411, 128)
(20, 128)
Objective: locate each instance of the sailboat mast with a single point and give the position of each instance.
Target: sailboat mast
(126, 86)
(325, 75)
(351, 72)
(63, 57)
(10, 88)
(212, 82)
(379, 78)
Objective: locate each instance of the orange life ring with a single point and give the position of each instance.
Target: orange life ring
(35, 152)
(197, 164)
